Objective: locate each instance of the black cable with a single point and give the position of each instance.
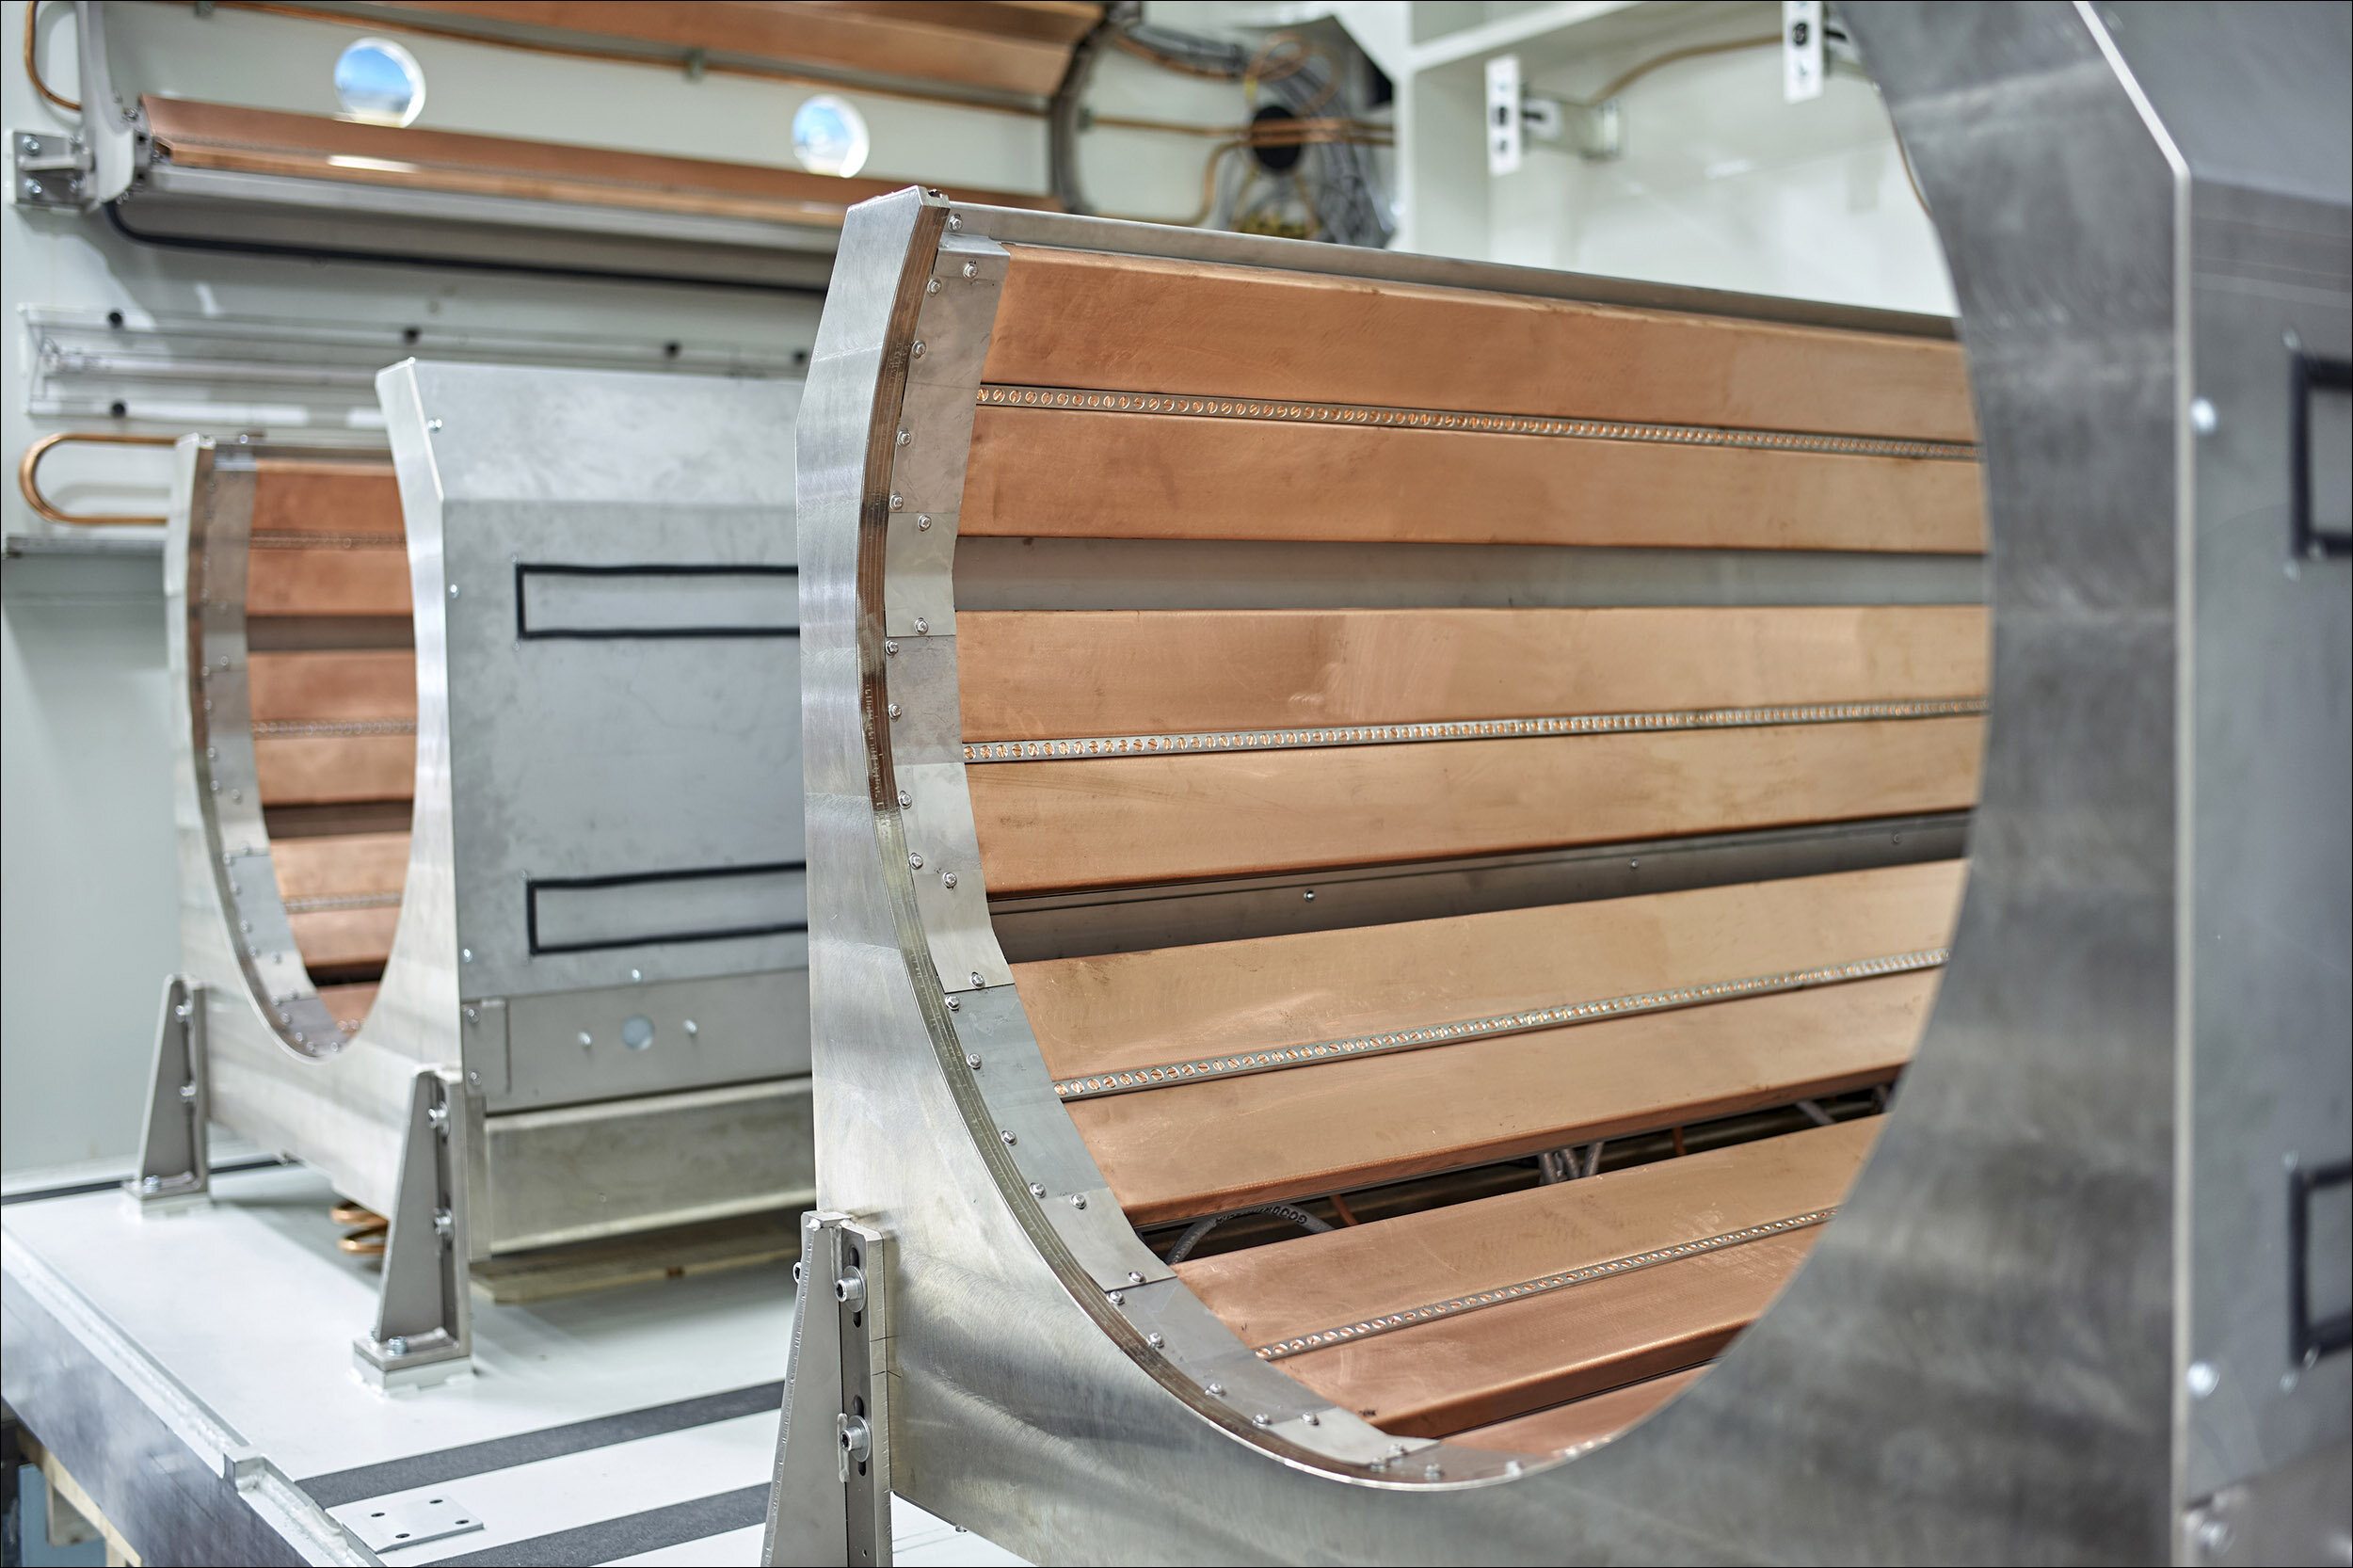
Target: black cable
(387, 258)
(1201, 1228)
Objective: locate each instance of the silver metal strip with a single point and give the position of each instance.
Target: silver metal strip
(1451, 419)
(1469, 729)
(1488, 1028)
(268, 540)
(291, 728)
(1477, 1299)
(321, 901)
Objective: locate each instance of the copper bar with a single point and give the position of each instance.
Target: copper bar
(1581, 1423)
(333, 865)
(298, 770)
(1031, 675)
(332, 686)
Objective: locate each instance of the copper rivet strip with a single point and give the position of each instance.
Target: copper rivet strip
(317, 903)
(1467, 730)
(275, 540)
(1488, 1028)
(1450, 419)
(299, 729)
(1477, 1299)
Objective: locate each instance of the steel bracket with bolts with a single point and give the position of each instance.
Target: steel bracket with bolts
(175, 1163)
(831, 1502)
(424, 1330)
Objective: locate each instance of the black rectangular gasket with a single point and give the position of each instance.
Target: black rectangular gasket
(524, 631)
(632, 879)
(2308, 1341)
(2305, 373)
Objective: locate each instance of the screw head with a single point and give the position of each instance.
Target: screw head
(978, 983)
(1118, 1299)
(973, 1062)
(635, 975)
(1312, 1418)
(905, 799)
(690, 1028)
(1036, 1191)
(904, 438)
(1216, 1390)
(932, 287)
(916, 860)
(1007, 1139)
(915, 348)
(2202, 1379)
(1261, 1419)
(452, 590)
(433, 424)
(953, 1004)
(1078, 1200)
(1432, 1473)
(896, 501)
(586, 1038)
(894, 709)
(970, 270)
(1154, 1340)
(955, 222)
(2203, 418)
(922, 627)
(891, 645)
(465, 955)
(922, 521)
(1135, 1278)
(947, 879)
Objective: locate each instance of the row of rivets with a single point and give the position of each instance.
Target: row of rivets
(1387, 1322)
(1444, 419)
(1469, 729)
(1501, 1023)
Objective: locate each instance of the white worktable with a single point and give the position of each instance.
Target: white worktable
(633, 1426)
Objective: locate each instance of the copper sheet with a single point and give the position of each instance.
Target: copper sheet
(1035, 676)
(1196, 1148)
(1080, 319)
(1089, 823)
(307, 496)
(345, 936)
(1127, 1010)
(264, 142)
(328, 583)
(347, 1004)
(1485, 1367)
(1315, 1283)
(1581, 1423)
(296, 770)
(333, 687)
(334, 865)
(1064, 472)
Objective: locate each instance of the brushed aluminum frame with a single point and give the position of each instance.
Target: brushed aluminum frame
(495, 465)
(1982, 1358)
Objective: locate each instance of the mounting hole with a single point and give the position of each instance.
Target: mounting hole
(829, 136)
(637, 1032)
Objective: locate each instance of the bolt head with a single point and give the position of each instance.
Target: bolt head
(2202, 1379)
(894, 709)
(922, 627)
(452, 590)
(1036, 1191)
(1007, 1139)
(904, 437)
(891, 645)
(1135, 1278)
(465, 955)
(1433, 1473)
(1312, 1418)
(1118, 1299)
(1078, 1200)
(955, 222)
(932, 287)
(1261, 1419)
(916, 860)
(896, 501)
(973, 1062)
(1154, 1340)
(970, 270)
(905, 799)
(947, 879)
(150, 1184)
(915, 348)
(953, 1004)
(397, 1345)
(2203, 418)
(1216, 1390)
(978, 983)
(922, 521)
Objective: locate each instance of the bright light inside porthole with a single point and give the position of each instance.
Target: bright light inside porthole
(829, 136)
(379, 83)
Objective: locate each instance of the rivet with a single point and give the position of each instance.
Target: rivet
(1308, 896)
(922, 521)
(585, 1039)
(1007, 1139)
(635, 975)
(689, 1026)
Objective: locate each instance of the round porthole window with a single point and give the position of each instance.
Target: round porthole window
(829, 136)
(379, 83)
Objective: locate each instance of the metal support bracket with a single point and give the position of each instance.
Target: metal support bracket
(423, 1327)
(831, 1500)
(48, 169)
(175, 1162)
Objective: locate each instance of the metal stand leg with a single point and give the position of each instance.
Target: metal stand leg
(831, 1501)
(424, 1330)
(175, 1162)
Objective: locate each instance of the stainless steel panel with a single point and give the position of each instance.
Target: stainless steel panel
(573, 1046)
(587, 1171)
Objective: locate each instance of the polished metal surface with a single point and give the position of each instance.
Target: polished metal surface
(1984, 1356)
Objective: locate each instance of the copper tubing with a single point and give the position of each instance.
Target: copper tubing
(27, 480)
(32, 67)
